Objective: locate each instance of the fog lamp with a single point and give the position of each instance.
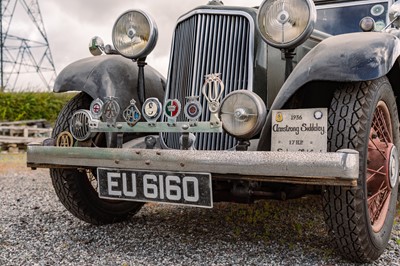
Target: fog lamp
(286, 24)
(243, 114)
(134, 34)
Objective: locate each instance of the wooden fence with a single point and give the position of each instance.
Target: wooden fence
(16, 135)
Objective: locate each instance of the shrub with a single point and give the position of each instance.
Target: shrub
(30, 105)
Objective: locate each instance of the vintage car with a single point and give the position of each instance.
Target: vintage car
(269, 102)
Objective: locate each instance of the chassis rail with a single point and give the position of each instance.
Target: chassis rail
(331, 168)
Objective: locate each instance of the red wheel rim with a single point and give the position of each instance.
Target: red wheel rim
(382, 166)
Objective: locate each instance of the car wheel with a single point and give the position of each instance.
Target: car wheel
(363, 116)
(76, 189)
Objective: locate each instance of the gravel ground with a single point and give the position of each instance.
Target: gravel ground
(35, 229)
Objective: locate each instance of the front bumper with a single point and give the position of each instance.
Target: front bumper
(331, 168)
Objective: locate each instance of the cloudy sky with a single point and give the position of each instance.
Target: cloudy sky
(70, 25)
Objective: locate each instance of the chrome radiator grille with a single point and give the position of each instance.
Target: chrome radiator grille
(208, 43)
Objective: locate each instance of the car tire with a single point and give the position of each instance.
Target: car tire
(75, 187)
(363, 116)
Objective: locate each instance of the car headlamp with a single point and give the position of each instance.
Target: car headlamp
(285, 24)
(242, 113)
(134, 34)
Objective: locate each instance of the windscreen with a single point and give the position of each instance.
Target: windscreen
(345, 17)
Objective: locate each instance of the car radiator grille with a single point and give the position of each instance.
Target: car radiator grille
(204, 44)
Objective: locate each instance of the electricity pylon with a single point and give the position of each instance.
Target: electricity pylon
(29, 54)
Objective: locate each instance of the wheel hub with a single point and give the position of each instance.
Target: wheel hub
(393, 168)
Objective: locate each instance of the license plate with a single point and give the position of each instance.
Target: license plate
(193, 189)
(303, 130)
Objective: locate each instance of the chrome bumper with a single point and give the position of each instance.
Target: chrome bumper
(331, 168)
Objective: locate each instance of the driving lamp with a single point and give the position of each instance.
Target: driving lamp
(134, 34)
(242, 113)
(285, 24)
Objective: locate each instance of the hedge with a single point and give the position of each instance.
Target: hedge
(30, 105)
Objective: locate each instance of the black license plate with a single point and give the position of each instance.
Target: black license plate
(193, 189)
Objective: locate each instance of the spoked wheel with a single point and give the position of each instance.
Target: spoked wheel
(77, 189)
(382, 166)
(363, 116)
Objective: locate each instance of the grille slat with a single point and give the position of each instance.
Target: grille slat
(206, 43)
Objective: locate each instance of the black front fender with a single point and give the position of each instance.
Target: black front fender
(111, 75)
(343, 58)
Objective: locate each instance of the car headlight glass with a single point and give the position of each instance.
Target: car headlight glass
(242, 114)
(134, 34)
(286, 23)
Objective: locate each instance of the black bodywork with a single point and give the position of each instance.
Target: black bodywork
(342, 58)
(111, 75)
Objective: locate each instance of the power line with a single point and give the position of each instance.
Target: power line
(22, 54)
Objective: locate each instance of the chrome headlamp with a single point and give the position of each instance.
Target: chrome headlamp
(134, 34)
(243, 114)
(286, 24)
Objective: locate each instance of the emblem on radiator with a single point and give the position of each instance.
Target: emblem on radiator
(65, 139)
(111, 110)
(96, 108)
(193, 108)
(212, 91)
(132, 114)
(152, 109)
(172, 110)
